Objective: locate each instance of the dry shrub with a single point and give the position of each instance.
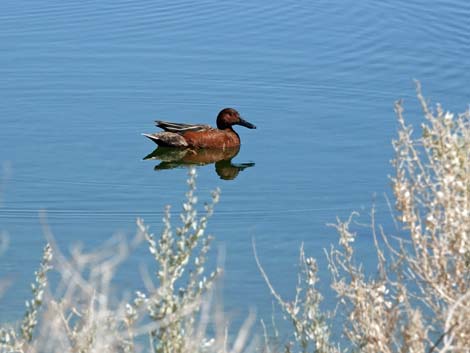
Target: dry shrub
(173, 315)
(419, 301)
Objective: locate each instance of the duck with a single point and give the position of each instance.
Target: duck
(200, 135)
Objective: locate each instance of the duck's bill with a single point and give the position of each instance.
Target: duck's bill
(246, 124)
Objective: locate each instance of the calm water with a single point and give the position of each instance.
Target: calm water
(80, 81)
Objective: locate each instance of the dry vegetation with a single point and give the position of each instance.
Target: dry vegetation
(418, 301)
(172, 316)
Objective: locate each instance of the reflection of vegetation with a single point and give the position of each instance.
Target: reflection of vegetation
(172, 157)
(419, 301)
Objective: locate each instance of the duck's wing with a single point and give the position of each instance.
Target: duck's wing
(181, 128)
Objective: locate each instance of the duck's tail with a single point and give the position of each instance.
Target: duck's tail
(167, 139)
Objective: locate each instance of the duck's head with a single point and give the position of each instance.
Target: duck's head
(228, 117)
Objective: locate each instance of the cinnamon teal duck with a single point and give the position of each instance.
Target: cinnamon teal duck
(199, 135)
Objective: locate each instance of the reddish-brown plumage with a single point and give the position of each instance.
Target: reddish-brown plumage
(213, 138)
(202, 136)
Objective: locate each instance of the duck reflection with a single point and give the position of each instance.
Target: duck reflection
(172, 157)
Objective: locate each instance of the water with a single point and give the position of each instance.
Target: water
(80, 81)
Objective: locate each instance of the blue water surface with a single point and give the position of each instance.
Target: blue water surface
(81, 80)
